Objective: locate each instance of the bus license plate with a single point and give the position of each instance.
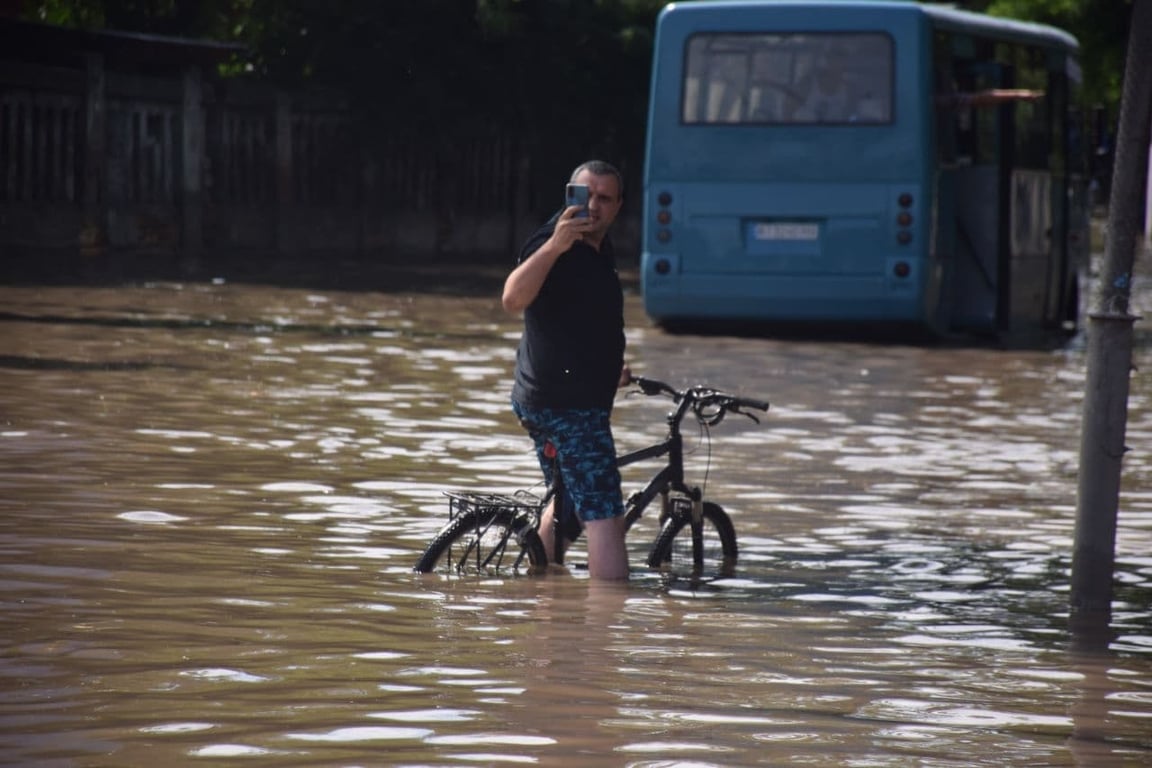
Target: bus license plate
(783, 230)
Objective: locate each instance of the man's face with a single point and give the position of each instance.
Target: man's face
(604, 199)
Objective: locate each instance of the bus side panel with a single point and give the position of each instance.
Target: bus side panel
(1035, 282)
(972, 283)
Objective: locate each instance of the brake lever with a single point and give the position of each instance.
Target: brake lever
(733, 406)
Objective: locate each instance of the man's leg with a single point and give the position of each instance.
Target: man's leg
(607, 555)
(547, 530)
(548, 534)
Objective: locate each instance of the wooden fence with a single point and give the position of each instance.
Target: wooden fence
(99, 159)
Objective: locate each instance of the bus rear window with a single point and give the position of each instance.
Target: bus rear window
(809, 78)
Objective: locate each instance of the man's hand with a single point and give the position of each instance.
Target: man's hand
(625, 377)
(570, 228)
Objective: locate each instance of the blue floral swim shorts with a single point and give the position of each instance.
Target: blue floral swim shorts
(586, 456)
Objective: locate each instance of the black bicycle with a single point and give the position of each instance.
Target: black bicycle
(487, 533)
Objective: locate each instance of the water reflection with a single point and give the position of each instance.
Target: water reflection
(212, 496)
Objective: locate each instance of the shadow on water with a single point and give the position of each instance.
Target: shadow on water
(48, 364)
(386, 274)
(146, 321)
(877, 334)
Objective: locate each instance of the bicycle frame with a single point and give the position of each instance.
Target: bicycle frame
(669, 477)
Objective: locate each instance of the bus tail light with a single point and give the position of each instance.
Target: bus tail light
(662, 266)
(663, 218)
(904, 222)
(901, 269)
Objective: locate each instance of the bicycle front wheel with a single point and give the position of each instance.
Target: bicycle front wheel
(484, 542)
(703, 551)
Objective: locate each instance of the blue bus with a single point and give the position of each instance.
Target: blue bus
(855, 162)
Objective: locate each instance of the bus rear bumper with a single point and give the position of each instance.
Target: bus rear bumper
(791, 299)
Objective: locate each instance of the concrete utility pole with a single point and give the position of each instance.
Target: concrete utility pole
(1110, 346)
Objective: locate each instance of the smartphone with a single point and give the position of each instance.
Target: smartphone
(577, 194)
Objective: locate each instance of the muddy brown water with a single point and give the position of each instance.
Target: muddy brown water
(213, 494)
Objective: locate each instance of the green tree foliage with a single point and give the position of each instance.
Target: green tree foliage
(566, 73)
(574, 68)
(183, 18)
(478, 48)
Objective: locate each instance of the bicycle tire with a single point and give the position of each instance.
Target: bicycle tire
(675, 553)
(484, 541)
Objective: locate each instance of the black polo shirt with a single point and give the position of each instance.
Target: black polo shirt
(572, 349)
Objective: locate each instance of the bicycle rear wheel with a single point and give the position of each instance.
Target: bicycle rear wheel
(484, 541)
(701, 552)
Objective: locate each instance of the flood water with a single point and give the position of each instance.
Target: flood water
(213, 494)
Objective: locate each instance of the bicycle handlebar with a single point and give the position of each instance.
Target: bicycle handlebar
(709, 405)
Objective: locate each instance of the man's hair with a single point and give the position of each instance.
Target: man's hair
(600, 168)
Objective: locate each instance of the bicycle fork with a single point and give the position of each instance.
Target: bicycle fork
(697, 524)
(691, 506)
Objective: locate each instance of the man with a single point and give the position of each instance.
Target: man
(571, 361)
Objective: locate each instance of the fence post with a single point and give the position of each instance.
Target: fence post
(284, 173)
(93, 238)
(191, 169)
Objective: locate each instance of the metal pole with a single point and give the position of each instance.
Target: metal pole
(1109, 354)
(1148, 200)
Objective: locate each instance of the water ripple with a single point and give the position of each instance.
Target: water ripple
(213, 496)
